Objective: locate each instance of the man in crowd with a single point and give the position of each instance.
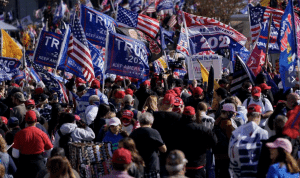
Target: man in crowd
(264, 103)
(148, 141)
(245, 145)
(31, 146)
(175, 164)
(19, 110)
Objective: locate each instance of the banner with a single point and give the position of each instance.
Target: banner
(164, 4)
(48, 49)
(263, 38)
(10, 65)
(181, 72)
(288, 48)
(9, 48)
(207, 61)
(126, 57)
(97, 58)
(95, 25)
(211, 38)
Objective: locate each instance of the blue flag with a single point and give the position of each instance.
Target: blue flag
(95, 24)
(271, 83)
(97, 58)
(51, 48)
(263, 38)
(126, 57)
(59, 12)
(164, 5)
(10, 65)
(165, 37)
(4, 76)
(135, 5)
(288, 48)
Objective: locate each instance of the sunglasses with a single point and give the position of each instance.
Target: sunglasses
(125, 119)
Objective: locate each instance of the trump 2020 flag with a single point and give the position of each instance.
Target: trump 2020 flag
(126, 57)
(288, 48)
(95, 24)
(97, 58)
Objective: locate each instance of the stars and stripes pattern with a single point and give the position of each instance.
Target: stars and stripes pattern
(172, 22)
(79, 51)
(142, 22)
(259, 15)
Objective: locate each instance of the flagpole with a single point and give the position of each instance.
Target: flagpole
(1, 46)
(267, 47)
(188, 42)
(105, 62)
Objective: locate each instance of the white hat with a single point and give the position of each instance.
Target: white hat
(114, 121)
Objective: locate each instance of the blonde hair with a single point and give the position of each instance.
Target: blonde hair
(2, 171)
(201, 107)
(151, 103)
(291, 163)
(2, 144)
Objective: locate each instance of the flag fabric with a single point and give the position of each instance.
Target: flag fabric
(182, 45)
(9, 46)
(10, 15)
(259, 15)
(135, 5)
(204, 73)
(165, 37)
(240, 75)
(263, 38)
(297, 28)
(4, 76)
(211, 84)
(59, 12)
(256, 60)
(142, 22)
(80, 52)
(288, 48)
(172, 22)
(126, 57)
(19, 76)
(210, 26)
(164, 5)
(26, 21)
(95, 24)
(98, 60)
(10, 65)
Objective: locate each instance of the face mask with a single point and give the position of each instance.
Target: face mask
(126, 122)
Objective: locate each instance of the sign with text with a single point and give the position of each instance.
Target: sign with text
(95, 25)
(48, 50)
(10, 65)
(126, 57)
(207, 61)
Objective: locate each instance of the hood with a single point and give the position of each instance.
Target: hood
(68, 128)
(246, 130)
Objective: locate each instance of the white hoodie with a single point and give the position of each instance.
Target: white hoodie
(78, 134)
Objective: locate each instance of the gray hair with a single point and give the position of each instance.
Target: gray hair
(146, 119)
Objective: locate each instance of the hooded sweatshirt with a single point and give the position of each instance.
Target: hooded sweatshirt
(77, 134)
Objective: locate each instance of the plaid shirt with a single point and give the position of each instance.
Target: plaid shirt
(46, 111)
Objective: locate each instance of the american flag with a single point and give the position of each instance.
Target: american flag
(79, 51)
(260, 14)
(172, 21)
(142, 22)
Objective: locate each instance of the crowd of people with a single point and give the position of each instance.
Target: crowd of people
(163, 127)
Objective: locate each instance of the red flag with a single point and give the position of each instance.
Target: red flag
(256, 60)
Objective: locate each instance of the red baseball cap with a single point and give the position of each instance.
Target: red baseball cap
(134, 80)
(38, 91)
(79, 80)
(4, 120)
(177, 91)
(118, 78)
(197, 91)
(129, 92)
(147, 82)
(177, 110)
(264, 86)
(178, 101)
(29, 102)
(95, 84)
(254, 108)
(172, 92)
(30, 116)
(189, 110)
(120, 94)
(121, 156)
(256, 91)
(127, 114)
(169, 99)
(15, 85)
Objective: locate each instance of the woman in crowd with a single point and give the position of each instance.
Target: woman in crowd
(59, 167)
(6, 160)
(137, 166)
(284, 165)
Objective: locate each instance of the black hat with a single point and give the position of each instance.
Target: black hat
(80, 88)
(43, 97)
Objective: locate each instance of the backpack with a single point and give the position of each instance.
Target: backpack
(262, 99)
(64, 141)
